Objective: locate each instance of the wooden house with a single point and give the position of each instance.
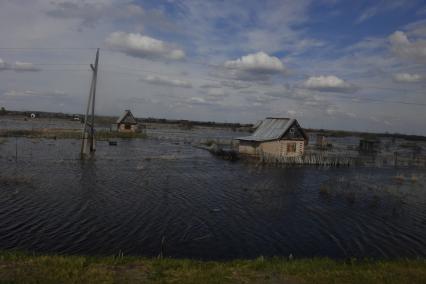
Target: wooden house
(127, 122)
(281, 137)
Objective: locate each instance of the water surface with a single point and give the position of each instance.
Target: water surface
(133, 197)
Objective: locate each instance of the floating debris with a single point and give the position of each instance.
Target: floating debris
(140, 167)
(399, 178)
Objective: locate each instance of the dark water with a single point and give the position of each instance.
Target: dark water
(133, 196)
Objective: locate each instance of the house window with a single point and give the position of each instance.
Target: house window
(291, 148)
(127, 126)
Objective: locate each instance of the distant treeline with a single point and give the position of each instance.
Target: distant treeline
(112, 119)
(44, 114)
(189, 124)
(365, 135)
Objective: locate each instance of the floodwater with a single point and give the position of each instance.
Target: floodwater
(162, 195)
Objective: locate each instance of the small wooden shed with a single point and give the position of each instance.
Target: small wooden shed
(281, 137)
(127, 122)
(321, 141)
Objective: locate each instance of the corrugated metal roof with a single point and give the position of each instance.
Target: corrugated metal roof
(127, 117)
(270, 129)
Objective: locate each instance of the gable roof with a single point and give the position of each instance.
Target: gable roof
(127, 117)
(273, 128)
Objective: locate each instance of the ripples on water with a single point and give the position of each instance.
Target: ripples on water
(132, 196)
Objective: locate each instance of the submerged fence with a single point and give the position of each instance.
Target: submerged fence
(317, 157)
(346, 159)
(308, 159)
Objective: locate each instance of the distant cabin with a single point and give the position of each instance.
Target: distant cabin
(321, 141)
(127, 122)
(369, 145)
(281, 137)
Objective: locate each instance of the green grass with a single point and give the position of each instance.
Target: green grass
(24, 268)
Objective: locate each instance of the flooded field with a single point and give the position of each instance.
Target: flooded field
(161, 195)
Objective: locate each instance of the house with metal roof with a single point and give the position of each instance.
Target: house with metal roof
(281, 137)
(127, 122)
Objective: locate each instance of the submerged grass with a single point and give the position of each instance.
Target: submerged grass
(15, 180)
(24, 268)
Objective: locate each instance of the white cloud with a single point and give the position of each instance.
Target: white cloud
(259, 62)
(199, 101)
(260, 100)
(254, 67)
(2, 64)
(407, 78)
(381, 7)
(328, 83)
(287, 27)
(138, 45)
(31, 93)
(18, 66)
(399, 38)
(166, 81)
(337, 112)
(24, 67)
(211, 86)
(417, 28)
(216, 95)
(404, 48)
(92, 12)
(235, 84)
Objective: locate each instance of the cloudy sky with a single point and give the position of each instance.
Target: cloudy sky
(334, 64)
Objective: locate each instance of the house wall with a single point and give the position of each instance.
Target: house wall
(247, 147)
(277, 148)
(122, 128)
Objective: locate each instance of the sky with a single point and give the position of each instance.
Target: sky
(331, 64)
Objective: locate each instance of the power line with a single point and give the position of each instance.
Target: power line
(47, 48)
(202, 78)
(233, 79)
(61, 64)
(359, 100)
(64, 70)
(335, 96)
(353, 99)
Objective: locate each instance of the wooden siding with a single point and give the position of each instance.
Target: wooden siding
(279, 148)
(247, 147)
(122, 128)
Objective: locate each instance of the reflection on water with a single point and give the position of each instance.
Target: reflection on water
(132, 196)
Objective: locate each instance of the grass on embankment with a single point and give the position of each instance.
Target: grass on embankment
(67, 134)
(24, 268)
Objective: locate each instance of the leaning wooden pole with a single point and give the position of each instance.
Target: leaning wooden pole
(85, 134)
(88, 136)
(92, 128)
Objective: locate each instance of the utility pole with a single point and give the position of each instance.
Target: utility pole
(88, 143)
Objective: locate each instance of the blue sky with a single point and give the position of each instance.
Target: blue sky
(336, 64)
